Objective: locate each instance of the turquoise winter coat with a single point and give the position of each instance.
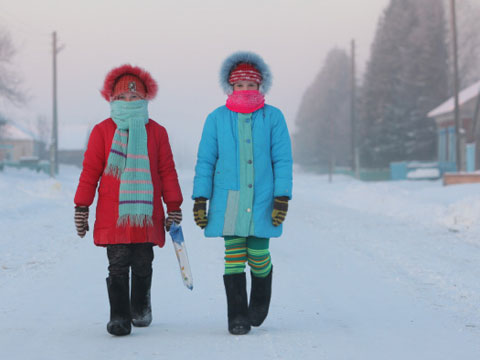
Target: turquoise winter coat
(217, 170)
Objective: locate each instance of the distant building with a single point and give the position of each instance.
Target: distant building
(444, 116)
(17, 143)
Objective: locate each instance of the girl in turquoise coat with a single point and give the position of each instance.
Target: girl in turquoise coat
(244, 171)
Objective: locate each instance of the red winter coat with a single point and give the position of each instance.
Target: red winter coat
(164, 178)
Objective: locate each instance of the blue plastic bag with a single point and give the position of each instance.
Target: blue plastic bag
(181, 251)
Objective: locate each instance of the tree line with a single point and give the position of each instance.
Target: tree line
(407, 75)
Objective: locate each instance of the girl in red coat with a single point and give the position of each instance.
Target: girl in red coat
(131, 156)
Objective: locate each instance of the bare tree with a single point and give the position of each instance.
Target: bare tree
(470, 43)
(43, 131)
(468, 13)
(9, 80)
(43, 128)
(3, 121)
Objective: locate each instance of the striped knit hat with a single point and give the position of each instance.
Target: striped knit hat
(245, 72)
(254, 63)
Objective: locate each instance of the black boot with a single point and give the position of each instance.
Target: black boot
(140, 300)
(260, 299)
(236, 289)
(118, 295)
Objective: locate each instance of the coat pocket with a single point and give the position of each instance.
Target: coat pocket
(108, 188)
(107, 213)
(224, 175)
(219, 178)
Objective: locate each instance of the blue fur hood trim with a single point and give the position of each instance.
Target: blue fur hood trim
(245, 57)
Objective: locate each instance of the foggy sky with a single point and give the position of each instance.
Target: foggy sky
(182, 43)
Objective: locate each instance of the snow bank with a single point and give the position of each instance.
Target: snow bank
(425, 203)
(35, 214)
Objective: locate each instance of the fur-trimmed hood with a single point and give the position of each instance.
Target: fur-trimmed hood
(111, 78)
(245, 57)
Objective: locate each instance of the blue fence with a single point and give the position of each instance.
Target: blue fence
(415, 170)
(37, 165)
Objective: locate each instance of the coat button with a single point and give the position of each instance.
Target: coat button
(248, 141)
(249, 210)
(249, 161)
(250, 185)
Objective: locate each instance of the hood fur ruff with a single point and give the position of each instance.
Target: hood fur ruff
(245, 57)
(109, 83)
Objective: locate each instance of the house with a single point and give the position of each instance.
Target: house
(17, 143)
(444, 116)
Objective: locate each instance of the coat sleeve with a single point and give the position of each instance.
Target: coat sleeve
(206, 160)
(171, 192)
(281, 152)
(93, 166)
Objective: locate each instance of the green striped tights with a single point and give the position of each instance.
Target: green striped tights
(240, 249)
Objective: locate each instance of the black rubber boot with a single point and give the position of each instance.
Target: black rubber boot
(260, 299)
(141, 307)
(236, 289)
(118, 294)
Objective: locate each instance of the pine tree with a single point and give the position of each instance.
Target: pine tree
(323, 122)
(405, 78)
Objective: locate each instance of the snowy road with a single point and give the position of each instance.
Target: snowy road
(363, 271)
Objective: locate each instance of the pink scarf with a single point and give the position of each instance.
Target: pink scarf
(245, 101)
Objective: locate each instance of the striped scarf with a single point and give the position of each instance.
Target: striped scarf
(128, 161)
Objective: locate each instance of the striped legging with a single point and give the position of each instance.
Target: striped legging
(240, 249)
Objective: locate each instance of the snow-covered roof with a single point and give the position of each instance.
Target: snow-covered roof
(463, 97)
(11, 131)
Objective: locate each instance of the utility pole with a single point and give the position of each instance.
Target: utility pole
(458, 129)
(476, 132)
(54, 143)
(353, 100)
(331, 130)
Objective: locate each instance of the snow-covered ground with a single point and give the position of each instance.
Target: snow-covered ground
(386, 270)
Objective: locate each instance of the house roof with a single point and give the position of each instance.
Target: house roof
(464, 96)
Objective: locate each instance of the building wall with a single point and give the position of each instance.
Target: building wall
(446, 138)
(467, 124)
(18, 149)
